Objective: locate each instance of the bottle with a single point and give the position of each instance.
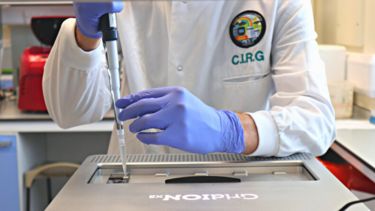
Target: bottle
(372, 117)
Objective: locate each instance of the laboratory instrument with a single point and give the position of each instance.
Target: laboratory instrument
(203, 182)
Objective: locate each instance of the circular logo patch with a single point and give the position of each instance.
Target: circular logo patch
(247, 29)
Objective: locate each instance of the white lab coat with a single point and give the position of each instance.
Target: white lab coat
(187, 43)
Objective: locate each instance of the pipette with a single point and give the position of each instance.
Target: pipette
(108, 27)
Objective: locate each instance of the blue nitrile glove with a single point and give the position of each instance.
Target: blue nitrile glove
(186, 122)
(88, 15)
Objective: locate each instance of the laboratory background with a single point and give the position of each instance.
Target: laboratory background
(37, 157)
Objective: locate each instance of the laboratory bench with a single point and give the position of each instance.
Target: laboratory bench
(355, 143)
(30, 139)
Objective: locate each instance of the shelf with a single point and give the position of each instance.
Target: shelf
(45, 2)
(13, 121)
(9, 112)
(20, 14)
(49, 126)
(354, 124)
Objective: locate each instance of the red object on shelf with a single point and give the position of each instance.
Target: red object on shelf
(30, 83)
(350, 176)
(33, 59)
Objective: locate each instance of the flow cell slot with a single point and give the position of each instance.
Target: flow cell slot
(202, 179)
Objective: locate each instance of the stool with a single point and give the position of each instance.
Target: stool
(47, 171)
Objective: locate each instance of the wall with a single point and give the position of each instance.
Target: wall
(346, 22)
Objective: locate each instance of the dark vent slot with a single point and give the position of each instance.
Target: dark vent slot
(202, 179)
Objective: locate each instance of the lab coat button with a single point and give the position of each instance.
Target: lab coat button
(180, 68)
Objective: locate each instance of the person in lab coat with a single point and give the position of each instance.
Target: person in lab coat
(213, 76)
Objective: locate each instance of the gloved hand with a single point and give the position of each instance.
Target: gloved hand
(88, 15)
(185, 121)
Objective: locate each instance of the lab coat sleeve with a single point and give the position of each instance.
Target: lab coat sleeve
(301, 118)
(75, 82)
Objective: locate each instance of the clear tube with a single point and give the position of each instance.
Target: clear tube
(121, 140)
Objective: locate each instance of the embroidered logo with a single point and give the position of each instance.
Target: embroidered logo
(247, 29)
